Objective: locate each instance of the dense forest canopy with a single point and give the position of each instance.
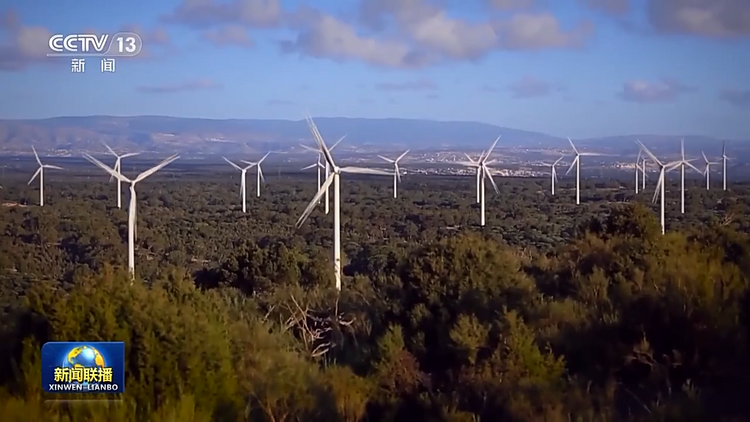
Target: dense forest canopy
(551, 312)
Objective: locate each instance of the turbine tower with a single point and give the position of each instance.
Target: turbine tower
(333, 178)
(243, 182)
(577, 163)
(682, 163)
(659, 192)
(483, 172)
(553, 174)
(118, 169)
(328, 171)
(132, 205)
(637, 169)
(643, 173)
(706, 172)
(396, 172)
(259, 173)
(724, 159)
(40, 173)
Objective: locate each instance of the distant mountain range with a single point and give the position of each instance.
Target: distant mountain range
(192, 136)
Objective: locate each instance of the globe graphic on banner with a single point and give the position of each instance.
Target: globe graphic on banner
(84, 357)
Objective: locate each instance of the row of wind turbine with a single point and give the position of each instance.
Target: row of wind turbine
(243, 177)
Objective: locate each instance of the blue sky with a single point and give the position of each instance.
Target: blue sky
(579, 68)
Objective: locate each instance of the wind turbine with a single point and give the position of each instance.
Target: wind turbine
(243, 182)
(707, 171)
(328, 171)
(396, 173)
(682, 163)
(663, 168)
(118, 169)
(577, 163)
(259, 174)
(317, 165)
(724, 159)
(333, 178)
(553, 174)
(482, 172)
(132, 205)
(40, 172)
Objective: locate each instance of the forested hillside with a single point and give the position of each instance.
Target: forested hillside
(551, 312)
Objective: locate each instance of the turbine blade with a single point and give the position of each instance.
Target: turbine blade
(36, 155)
(130, 154)
(723, 149)
(104, 167)
(155, 168)
(260, 173)
(321, 142)
(398, 172)
(682, 148)
(337, 142)
(111, 151)
(558, 160)
(470, 159)
(311, 206)
(704, 157)
(652, 156)
(574, 147)
(488, 174)
(572, 165)
(692, 167)
(311, 166)
(115, 168)
(264, 157)
(310, 148)
(402, 155)
(249, 163)
(658, 188)
(489, 151)
(466, 163)
(362, 170)
(638, 160)
(387, 159)
(39, 170)
(49, 166)
(673, 165)
(231, 163)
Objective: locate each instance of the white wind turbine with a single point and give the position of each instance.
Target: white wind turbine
(396, 172)
(577, 164)
(724, 159)
(132, 205)
(659, 192)
(706, 172)
(682, 163)
(327, 170)
(483, 172)
(118, 169)
(243, 182)
(40, 173)
(553, 174)
(259, 174)
(333, 178)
